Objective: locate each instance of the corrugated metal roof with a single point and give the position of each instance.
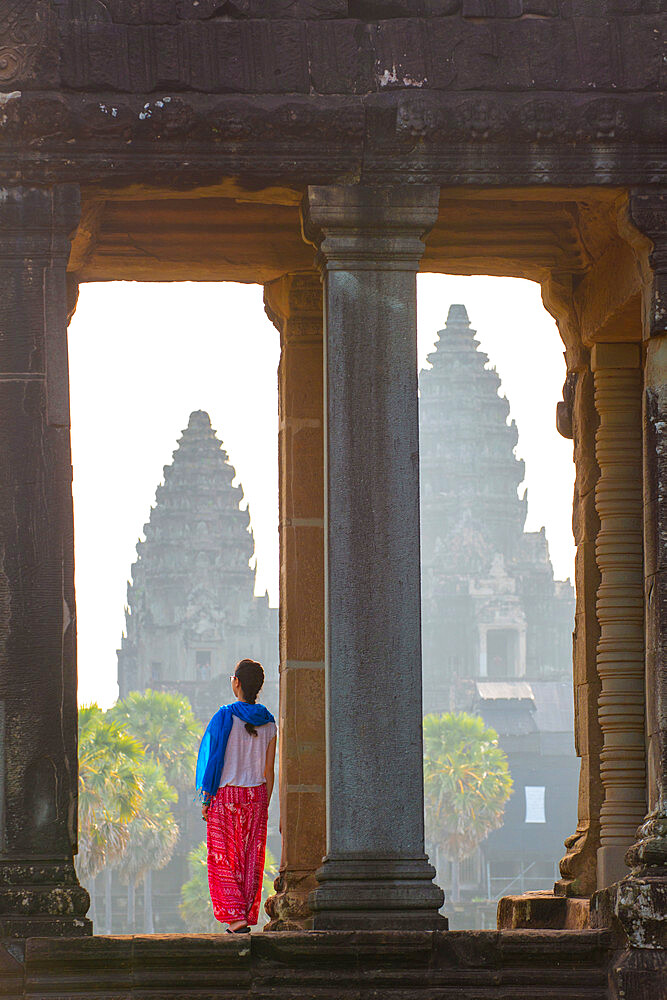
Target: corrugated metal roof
(504, 690)
(554, 706)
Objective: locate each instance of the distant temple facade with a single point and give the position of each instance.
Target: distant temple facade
(191, 610)
(497, 627)
(491, 609)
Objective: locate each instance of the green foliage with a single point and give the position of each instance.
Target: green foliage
(153, 831)
(110, 787)
(195, 906)
(166, 727)
(270, 873)
(130, 759)
(466, 782)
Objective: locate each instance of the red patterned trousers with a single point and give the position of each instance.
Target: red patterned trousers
(236, 841)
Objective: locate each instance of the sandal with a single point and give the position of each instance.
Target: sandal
(245, 929)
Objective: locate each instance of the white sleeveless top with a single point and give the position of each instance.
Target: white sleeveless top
(245, 755)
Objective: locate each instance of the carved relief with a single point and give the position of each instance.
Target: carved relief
(543, 120)
(22, 30)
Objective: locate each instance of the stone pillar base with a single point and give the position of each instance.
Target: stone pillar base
(42, 900)
(637, 907)
(375, 894)
(636, 910)
(543, 911)
(288, 908)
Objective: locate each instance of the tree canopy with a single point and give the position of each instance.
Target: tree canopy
(166, 726)
(110, 788)
(466, 782)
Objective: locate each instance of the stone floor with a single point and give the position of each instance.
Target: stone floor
(359, 965)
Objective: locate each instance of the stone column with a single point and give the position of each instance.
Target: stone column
(640, 901)
(294, 304)
(375, 874)
(39, 892)
(579, 866)
(620, 601)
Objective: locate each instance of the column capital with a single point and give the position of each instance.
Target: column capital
(297, 298)
(37, 223)
(615, 355)
(357, 228)
(648, 212)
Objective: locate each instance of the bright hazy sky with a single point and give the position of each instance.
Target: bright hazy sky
(143, 356)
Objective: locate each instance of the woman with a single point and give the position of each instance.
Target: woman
(235, 781)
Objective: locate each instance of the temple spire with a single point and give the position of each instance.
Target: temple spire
(192, 611)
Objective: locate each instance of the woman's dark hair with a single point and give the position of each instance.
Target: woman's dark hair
(250, 675)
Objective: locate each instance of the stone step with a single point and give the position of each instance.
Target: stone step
(345, 965)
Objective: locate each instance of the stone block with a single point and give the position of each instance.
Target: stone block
(401, 58)
(655, 537)
(585, 640)
(492, 8)
(585, 520)
(304, 713)
(304, 479)
(586, 575)
(11, 971)
(341, 58)
(302, 384)
(641, 52)
(303, 826)
(542, 910)
(588, 737)
(302, 575)
(615, 356)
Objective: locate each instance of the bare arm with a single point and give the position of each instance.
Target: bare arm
(269, 768)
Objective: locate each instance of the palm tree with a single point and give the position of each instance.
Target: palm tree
(168, 731)
(165, 725)
(109, 791)
(153, 834)
(466, 785)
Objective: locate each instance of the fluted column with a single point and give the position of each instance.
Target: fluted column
(294, 304)
(39, 892)
(375, 874)
(620, 601)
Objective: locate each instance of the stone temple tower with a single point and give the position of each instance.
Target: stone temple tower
(491, 608)
(191, 610)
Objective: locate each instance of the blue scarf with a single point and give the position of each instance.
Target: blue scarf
(214, 743)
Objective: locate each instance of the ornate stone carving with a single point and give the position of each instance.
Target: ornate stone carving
(564, 408)
(22, 30)
(649, 213)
